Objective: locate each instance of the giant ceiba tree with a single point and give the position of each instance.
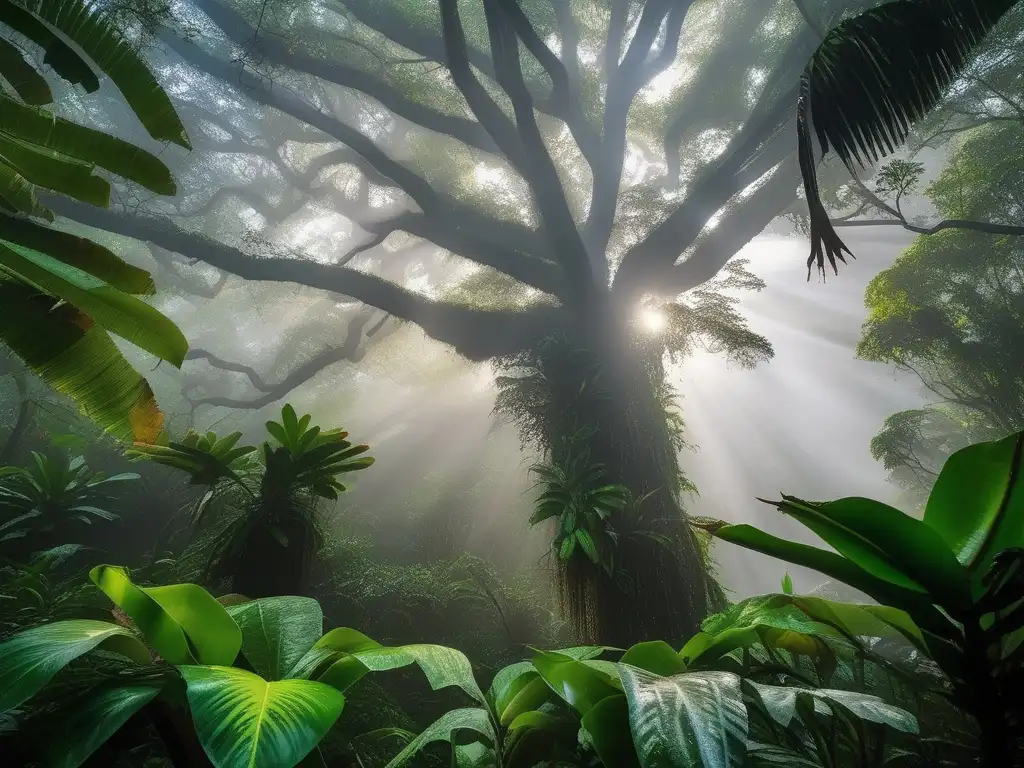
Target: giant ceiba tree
(513, 178)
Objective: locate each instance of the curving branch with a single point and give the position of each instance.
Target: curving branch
(352, 350)
(234, 25)
(475, 333)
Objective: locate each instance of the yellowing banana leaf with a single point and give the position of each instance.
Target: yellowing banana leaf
(40, 127)
(122, 314)
(30, 86)
(78, 359)
(105, 45)
(78, 252)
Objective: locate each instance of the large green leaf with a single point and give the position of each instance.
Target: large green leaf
(65, 349)
(18, 195)
(40, 127)
(358, 654)
(51, 170)
(693, 720)
(79, 252)
(94, 719)
(120, 313)
(277, 632)
(59, 55)
(160, 628)
(89, 28)
(579, 685)
(655, 656)
(886, 543)
(31, 658)
(210, 629)
(30, 86)
(829, 563)
(780, 702)
(244, 721)
(446, 728)
(977, 503)
(608, 725)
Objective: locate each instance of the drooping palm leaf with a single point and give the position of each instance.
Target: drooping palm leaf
(41, 128)
(78, 252)
(59, 55)
(874, 76)
(90, 29)
(30, 86)
(66, 349)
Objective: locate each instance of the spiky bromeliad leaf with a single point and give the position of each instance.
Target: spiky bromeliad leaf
(244, 721)
(30, 659)
(873, 76)
(74, 356)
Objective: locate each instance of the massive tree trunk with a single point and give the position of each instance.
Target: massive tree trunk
(596, 379)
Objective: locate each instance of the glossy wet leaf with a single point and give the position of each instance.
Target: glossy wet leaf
(277, 632)
(580, 686)
(244, 721)
(30, 659)
(608, 725)
(208, 626)
(688, 720)
(781, 703)
(977, 503)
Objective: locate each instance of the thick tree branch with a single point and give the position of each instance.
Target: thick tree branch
(352, 350)
(234, 25)
(476, 334)
(510, 248)
(624, 84)
(565, 87)
(540, 169)
(974, 226)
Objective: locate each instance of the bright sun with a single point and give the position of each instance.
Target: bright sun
(652, 320)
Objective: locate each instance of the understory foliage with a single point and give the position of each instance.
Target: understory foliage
(951, 581)
(63, 295)
(261, 504)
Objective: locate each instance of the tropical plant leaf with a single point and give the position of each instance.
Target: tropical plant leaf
(693, 719)
(120, 313)
(51, 170)
(780, 702)
(41, 128)
(446, 728)
(531, 696)
(608, 725)
(873, 76)
(161, 630)
(78, 252)
(88, 27)
(655, 656)
(277, 632)
(30, 659)
(579, 685)
(97, 717)
(210, 629)
(977, 503)
(30, 86)
(244, 721)
(65, 349)
(886, 543)
(59, 55)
